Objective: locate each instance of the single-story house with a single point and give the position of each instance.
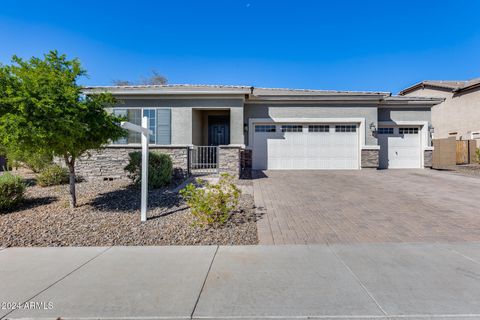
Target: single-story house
(459, 114)
(280, 129)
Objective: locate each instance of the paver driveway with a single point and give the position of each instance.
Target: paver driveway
(367, 206)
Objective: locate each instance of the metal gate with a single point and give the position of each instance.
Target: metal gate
(203, 159)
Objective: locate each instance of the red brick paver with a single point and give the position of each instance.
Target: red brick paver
(304, 207)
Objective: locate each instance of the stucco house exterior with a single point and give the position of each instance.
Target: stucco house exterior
(278, 128)
(459, 114)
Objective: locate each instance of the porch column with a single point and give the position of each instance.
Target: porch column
(229, 160)
(236, 126)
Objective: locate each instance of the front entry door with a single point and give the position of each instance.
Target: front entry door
(218, 130)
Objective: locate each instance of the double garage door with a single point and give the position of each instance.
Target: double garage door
(305, 146)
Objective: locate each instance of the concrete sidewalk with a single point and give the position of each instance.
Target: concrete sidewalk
(374, 281)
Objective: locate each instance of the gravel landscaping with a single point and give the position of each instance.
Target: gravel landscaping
(468, 169)
(108, 214)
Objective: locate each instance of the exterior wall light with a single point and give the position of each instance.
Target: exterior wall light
(373, 128)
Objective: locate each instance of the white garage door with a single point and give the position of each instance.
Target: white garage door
(399, 147)
(305, 146)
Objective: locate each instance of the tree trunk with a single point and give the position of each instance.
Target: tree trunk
(71, 169)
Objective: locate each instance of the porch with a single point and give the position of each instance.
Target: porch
(211, 127)
(211, 139)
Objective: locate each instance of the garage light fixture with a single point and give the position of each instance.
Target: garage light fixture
(373, 127)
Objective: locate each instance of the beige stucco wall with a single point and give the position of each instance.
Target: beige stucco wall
(458, 113)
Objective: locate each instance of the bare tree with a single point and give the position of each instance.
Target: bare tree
(156, 78)
(119, 82)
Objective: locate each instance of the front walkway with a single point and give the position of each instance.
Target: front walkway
(368, 281)
(365, 206)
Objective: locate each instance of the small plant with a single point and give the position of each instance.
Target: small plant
(159, 169)
(35, 161)
(53, 175)
(478, 154)
(212, 204)
(12, 190)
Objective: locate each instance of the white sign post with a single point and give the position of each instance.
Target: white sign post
(145, 137)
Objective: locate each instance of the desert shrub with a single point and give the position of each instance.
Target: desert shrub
(35, 161)
(159, 169)
(12, 190)
(53, 175)
(212, 204)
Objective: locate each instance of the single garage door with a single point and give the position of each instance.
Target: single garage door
(399, 147)
(305, 146)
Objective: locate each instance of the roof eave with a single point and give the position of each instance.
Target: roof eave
(315, 100)
(467, 88)
(396, 101)
(140, 92)
(320, 97)
(423, 84)
(412, 88)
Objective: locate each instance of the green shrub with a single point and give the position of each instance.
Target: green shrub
(53, 175)
(212, 204)
(12, 190)
(159, 169)
(478, 155)
(36, 161)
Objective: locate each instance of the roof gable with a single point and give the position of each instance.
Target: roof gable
(450, 85)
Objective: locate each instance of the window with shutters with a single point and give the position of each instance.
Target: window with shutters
(159, 122)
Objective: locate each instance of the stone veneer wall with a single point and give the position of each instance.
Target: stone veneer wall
(370, 158)
(109, 162)
(427, 158)
(229, 160)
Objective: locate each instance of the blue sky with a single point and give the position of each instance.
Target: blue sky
(342, 45)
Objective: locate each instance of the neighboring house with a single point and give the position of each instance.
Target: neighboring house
(459, 115)
(283, 128)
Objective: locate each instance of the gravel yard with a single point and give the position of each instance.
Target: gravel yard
(108, 214)
(468, 169)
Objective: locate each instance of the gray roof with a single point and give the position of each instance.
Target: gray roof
(199, 88)
(453, 85)
(255, 95)
(308, 92)
(169, 89)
